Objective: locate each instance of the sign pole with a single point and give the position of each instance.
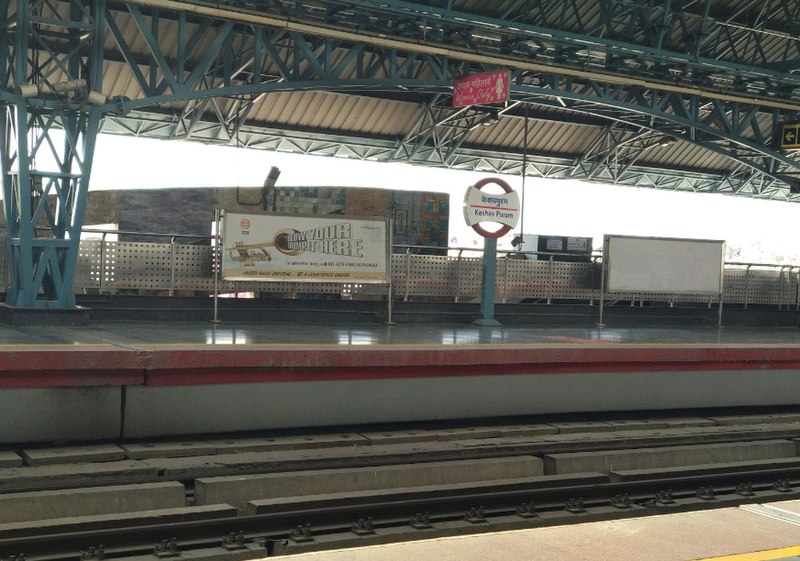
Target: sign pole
(217, 263)
(603, 270)
(390, 297)
(481, 206)
(389, 287)
(488, 283)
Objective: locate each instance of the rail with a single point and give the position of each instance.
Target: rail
(331, 522)
(178, 264)
(286, 524)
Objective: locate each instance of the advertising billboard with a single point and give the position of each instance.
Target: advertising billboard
(276, 247)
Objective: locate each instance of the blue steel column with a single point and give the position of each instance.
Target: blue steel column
(488, 283)
(19, 232)
(58, 62)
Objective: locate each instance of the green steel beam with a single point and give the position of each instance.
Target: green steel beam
(700, 43)
(54, 65)
(468, 158)
(306, 61)
(685, 69)
(269, 59)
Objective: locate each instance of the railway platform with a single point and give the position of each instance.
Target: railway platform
(139, 379)
(122, 382)
(758, 532)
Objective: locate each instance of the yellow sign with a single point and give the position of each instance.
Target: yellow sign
(790, 136)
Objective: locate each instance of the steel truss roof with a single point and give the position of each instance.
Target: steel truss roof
(718, 77)
(676, 94)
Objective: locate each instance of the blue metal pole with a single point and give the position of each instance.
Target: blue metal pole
(489, 274)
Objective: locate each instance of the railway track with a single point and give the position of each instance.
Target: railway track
(303, 518)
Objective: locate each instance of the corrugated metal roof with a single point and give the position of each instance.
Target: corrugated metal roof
(393, 114)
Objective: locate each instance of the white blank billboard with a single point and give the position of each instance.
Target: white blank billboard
(636, 264)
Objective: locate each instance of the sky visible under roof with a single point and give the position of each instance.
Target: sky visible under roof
(755, 230)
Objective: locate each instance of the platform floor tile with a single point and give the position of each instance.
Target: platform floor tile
(719, 535)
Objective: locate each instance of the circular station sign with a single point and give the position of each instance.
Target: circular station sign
(481, 206)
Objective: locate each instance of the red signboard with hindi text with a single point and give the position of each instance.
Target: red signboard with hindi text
(478, 89)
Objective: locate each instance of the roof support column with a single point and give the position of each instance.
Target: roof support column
(47, 137)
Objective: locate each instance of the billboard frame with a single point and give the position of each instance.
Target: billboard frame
(340, 274)
(649, 261)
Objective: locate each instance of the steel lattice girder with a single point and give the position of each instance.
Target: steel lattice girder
(51, 59)
(160, 125)
(684, 69)
(262, 48)
(244, 62)
(743, 43)
(740, 131)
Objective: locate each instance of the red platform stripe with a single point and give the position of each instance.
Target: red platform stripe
(92, 366)
(71, 367)
(234, 375)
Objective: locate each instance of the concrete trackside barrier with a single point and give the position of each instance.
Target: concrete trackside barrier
(65, 503)
(239, 490)
(606, 461)
(115, 520)
(775, 465)
(415, 495)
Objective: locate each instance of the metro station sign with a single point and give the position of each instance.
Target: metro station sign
(478, 89)
(789, 136)
(481, 206)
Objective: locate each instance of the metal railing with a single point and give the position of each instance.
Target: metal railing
(186, 264)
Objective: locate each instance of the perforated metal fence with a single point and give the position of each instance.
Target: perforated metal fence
(110, 267)
(761, 284)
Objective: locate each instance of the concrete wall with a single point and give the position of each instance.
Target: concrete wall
(152, 411)
(60, 414)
